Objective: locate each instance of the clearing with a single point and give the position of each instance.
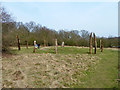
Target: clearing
(71, 67)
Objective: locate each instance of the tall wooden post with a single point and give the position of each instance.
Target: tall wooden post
(44, 43)
(62, 44)
(90, 42)
(18, 42)
(34, 46)
(95, 44)
(55, 46)
(34, 49)
(100, 44)
(27, 44)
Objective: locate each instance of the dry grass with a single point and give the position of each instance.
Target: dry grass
(46, 70)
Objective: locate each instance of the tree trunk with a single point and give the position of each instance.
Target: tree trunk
(95, 43)
(55, 46)
(18, 42)
(90, 42)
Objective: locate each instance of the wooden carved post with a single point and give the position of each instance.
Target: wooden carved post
(90, 50)
(95, 43)
(34, 46)
(62, 44)
(27, 44)
(18, 42)
(55, 46)
(44, 43)
(100, 44)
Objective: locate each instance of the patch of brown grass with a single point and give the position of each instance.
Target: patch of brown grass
(45, 70)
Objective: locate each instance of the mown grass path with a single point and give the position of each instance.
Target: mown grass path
(106, 72)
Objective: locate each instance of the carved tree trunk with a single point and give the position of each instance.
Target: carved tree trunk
(55, 46)
(62, 44)
(27, 44)
(44, 43)
(90, 42)
(100, 44)
(34, 46)
(102, 47)
(18, 42)
(95, 43)
(34, 49)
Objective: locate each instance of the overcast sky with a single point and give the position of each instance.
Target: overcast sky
(98, 17)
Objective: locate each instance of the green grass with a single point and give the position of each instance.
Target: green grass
(104, 74)
(65, 50)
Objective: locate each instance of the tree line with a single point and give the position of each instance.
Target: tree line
(28, 32)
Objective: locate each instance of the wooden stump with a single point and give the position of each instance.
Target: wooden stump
(95, 44)
(18, 42)
(55, 46)
(90, 42)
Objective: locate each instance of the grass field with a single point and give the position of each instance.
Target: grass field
(71, 67)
